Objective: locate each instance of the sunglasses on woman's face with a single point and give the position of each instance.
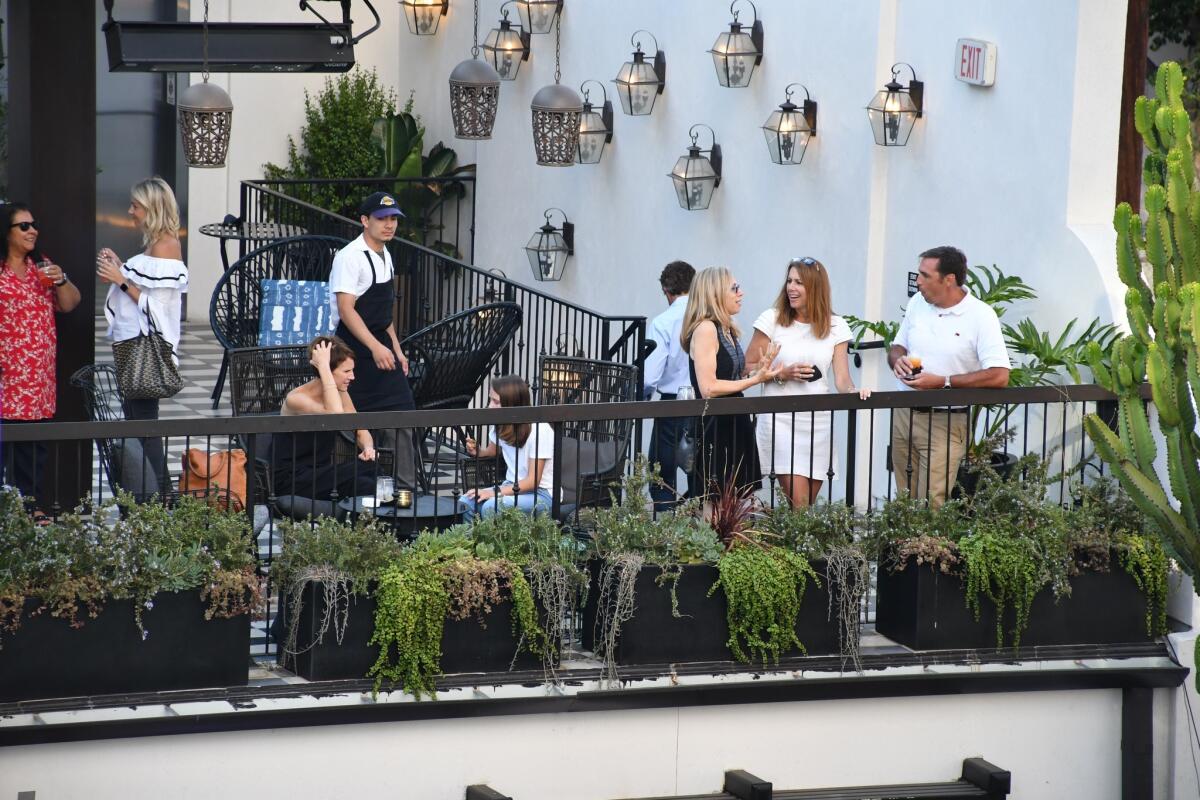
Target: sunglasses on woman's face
(24, 226)
(735, 288)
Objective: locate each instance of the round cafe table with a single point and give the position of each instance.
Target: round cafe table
(244, 232)
(428, 512)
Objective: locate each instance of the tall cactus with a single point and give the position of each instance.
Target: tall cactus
(1164, 320)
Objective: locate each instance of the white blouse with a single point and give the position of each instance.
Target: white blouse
(162, 282)
(798, 344)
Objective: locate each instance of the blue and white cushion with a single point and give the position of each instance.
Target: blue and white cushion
(293, 312)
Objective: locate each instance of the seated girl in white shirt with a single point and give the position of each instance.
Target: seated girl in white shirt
(528, 452)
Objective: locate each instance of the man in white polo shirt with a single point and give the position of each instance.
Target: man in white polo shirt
(948, 339)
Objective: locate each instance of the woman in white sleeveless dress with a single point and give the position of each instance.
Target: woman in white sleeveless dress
(813, 343)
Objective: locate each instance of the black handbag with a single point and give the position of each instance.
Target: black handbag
(145, 370)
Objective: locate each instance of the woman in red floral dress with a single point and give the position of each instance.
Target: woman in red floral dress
(32, 289)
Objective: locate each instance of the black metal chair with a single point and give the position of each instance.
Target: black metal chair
(235, 309)
(449, 360)
(593, 452)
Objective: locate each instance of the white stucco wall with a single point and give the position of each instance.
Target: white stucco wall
(1056, 744)
(1021, 174)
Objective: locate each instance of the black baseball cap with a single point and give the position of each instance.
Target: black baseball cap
(380, 204)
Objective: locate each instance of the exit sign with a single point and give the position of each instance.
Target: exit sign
(975, 62)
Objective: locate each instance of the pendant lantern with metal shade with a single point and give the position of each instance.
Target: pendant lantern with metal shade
(474, 93)
(736, 53)
(549, 248)
(539, 16)
(789, 128)
(205, 117)
(423, 16)
(506, 47)
(895, 109)
(639, 83)
(595, 127)
(695, 176)
(556, 111)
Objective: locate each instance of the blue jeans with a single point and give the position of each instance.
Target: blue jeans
(528, 502)
(667, 431)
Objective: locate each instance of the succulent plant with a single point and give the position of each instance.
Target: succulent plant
(1163, 348)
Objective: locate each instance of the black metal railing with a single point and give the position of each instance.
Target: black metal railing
(433, 284)
(587, 440)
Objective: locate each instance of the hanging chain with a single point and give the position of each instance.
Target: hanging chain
(558, 47)
(204, 63)
(475, 41)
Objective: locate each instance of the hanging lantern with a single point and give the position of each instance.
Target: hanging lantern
(639, 83)
(506, 47)
(736, 53)
(549, 248)
(595, 127)
(695, 176)
(556, 112)
(895, 109)
(423, 16)
(205, 117)
(474, 94)
(789, 128)
(539, 16)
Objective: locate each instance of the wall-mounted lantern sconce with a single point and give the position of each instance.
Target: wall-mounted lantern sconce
(474, 93)
(789, 128)
(595, 127)
(695, 176)
(895, 109)
(639, 83)
(550, 247)
(538, 16)
(556, 112)
(505, 47)
(423, 16)
(736, 53)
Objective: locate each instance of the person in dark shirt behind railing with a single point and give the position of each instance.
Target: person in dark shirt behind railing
(948, 339)
(666, 371)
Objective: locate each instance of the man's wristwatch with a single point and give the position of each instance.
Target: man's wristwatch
(65, 280)
(946, 384)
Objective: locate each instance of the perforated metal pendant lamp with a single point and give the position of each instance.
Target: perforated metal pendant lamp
(474, 93)
(423, 16)
(538, 16)
(556, 112)
(205, 120)
(504, 49)
(734, 56)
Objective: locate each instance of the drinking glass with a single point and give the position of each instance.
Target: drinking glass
(42, 266)
(685, 393)
(385, 489)
(916, 364)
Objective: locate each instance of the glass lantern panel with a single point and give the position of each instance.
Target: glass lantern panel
(423, 16)
(592, 135)
(537, 15)
(787, 135)
(504, 50)
(637, 84)
(892, 116)
(733, 56)
(547, 254)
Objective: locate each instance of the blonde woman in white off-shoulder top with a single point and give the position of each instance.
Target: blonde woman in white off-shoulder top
(812, 341)
(147, 288)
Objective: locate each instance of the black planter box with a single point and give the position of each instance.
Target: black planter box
(467, 646)
(924, 609)
(48, 658)
(655, 636)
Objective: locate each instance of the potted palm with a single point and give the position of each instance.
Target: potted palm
(129, 598)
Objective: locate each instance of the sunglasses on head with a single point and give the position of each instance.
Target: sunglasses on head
(806, 261)
(24, 226)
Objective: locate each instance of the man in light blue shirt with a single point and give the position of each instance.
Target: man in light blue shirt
(666, 369)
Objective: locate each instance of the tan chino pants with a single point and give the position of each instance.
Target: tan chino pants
(927, 447)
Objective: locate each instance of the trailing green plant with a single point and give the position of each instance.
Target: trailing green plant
(1005, 569)
(336, 140)
(1164, 317)
(435, 577)
(764, 587)
(343, 559)
(123, 551)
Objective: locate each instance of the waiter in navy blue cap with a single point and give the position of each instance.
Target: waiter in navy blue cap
(363, 299)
